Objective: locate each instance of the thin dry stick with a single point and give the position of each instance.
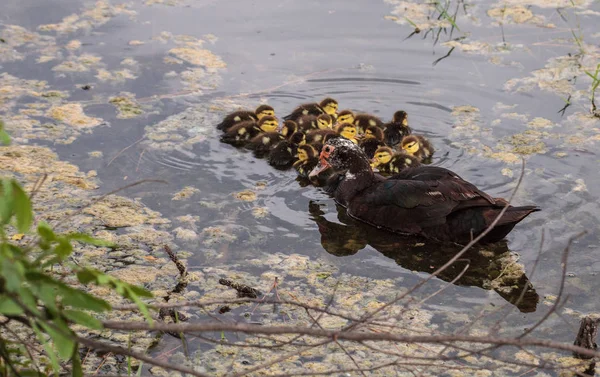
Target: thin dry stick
(345, 335)
(147, 359)
(563, 263)
(368, 316)
(124, 149)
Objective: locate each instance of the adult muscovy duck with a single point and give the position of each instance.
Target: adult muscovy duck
(428, 201)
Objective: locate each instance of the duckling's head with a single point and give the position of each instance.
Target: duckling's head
(264, 110)
(324, 122)
(306, 151)
(410, 144)
(345, 116)
(329, 105)
(298, 138)
(288, 128)
(347, 130)
(401, 117)
(268, 123)
(374, 132)
(383, 155)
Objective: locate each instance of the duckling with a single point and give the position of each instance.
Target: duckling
(345, 116)
(373, 139)
(241, 133)
(387, 162)
(308, 158)
(395, 130)
(245, 115)
(418, 146)
(282, 155)
(319, 136)
(326, 106)
(362, 121)
(311, 122)
(288, 128)
(348, 131)
(262, 143)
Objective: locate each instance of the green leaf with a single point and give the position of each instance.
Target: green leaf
(82, 300)
(85, 238)
(46, 232)
(11, 275)
(9, 307)
(64, 247)
(142, 292)
(60, 334)
(4, 138)
(6, 202)
(22, 208)
(76, 362)
(142, 306)
(28, 299)
(47, 346)
(86, 276)
(83, 319)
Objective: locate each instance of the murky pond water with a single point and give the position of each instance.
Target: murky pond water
(498, 95)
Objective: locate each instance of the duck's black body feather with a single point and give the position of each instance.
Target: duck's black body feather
(429, 201)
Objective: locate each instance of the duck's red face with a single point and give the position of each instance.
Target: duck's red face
(323, 163)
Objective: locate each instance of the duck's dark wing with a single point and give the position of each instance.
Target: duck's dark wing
(409, 206)
(439, 174)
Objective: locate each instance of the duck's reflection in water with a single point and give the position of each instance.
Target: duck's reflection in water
(490, 267)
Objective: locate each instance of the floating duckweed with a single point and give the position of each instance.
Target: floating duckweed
(137, 275)
(260, 212)
(185, 234)
(136, 42)
(517, 14)
(539, 122)
(246, 195)
(185, 193)
(95, 154)
(561, 154)
(73, 45)
(507, 172)
(126, 105)
(457, 110)
(117, 212)
(118, 75)
(81, 63)
(198, 57)
(580, 185)
(73, 115)
(100, 14)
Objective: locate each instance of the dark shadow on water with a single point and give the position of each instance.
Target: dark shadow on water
(488, 270)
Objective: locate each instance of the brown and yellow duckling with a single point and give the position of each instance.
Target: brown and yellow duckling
(308, 158)
(288, 128)
(326, 106)
(241, 133)
(311, 122)
(283, 154)
(389, 162)
(319, 136)
(262, 143)
(418, 146)
(244, 116)
(398, 128)
(345, 116)
(372, 140)
(347, 130)
(363, 121)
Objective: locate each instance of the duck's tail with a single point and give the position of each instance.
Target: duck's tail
(511, 217)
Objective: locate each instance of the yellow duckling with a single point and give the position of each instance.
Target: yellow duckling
(241, 133)
(363, 121)
(348, 131)
(345, 116)
(288, 128)
(245, 115)
(308, 158)
(373, 139)
(389, 162)
(326, 106)
(418, 146)
(311, 122)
